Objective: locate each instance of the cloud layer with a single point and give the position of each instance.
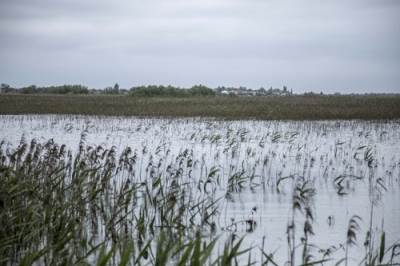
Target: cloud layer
(332, 45)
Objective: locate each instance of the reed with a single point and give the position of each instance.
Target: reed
(156, 204)
(231, 108)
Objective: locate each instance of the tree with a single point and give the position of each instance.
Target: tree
(116, 88)
(4, 88)
(29, 89)
(201, 90)
(112, 90)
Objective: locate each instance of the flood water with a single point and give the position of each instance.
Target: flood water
(269, 155)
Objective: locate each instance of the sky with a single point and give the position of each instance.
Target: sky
(347, 46)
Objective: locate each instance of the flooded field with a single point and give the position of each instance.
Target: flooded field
(199, 191)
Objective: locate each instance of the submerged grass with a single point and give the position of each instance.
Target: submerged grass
(93, 208)
(267, 108)
(59, 208)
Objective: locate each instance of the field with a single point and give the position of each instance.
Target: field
(193, 191)
(264, 108)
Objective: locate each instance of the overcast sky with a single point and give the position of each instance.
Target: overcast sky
(325, 45)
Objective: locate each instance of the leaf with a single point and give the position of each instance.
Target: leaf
(30, 258)
(315, 262)
(269, 258)
(382, 248)
(104, 258)
(186, 254)
(126, 254)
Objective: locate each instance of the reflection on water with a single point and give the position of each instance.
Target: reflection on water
(353, 166)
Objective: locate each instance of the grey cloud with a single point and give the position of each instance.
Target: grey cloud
(308, 45)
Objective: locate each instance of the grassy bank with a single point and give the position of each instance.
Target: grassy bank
(287, 107)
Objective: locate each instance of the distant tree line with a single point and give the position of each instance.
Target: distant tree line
(163, 91)
(144, 91)
(63, 89)
(148, 91)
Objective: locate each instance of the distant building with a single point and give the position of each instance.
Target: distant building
(243, 91)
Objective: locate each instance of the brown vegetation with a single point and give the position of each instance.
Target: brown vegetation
(283, 107)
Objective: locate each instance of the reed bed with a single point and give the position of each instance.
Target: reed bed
(165, 204)
(295, 107)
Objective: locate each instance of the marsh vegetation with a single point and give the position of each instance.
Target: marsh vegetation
(294, 107)
(124, 191)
